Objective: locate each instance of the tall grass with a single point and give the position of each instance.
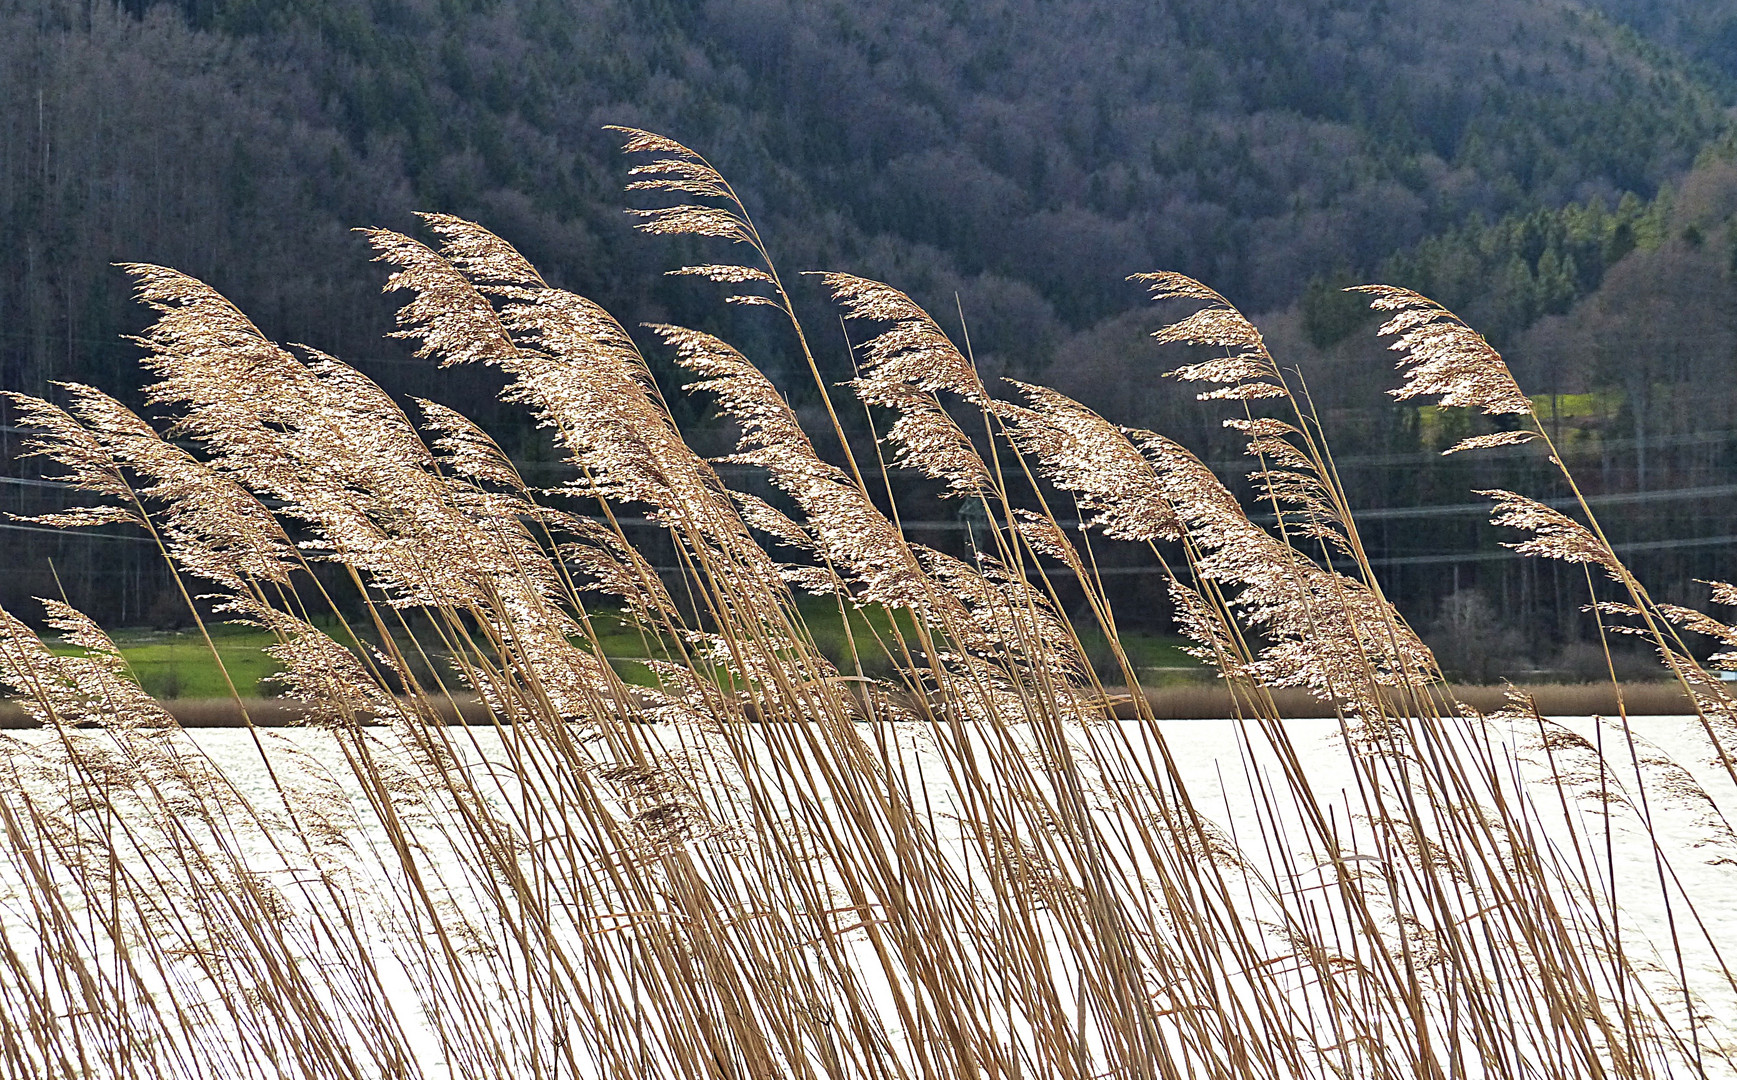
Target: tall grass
(944, 856)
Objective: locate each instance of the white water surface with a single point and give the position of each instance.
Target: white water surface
(1660, 770)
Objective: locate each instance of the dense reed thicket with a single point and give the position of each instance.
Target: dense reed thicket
(941, 857)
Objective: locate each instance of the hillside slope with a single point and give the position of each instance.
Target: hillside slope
(1024, 155)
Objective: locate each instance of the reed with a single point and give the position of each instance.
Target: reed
(953, 853)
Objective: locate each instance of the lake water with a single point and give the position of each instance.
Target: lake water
(1670, 806)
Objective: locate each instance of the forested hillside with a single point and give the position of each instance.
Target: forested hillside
(1026, 155)
(1706, 33)
(1023, 156)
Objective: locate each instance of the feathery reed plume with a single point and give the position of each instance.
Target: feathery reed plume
(1295, 479)
(65, 691)
(1711, 696)
(928, 440)
(491, 264)
(316, 435)
(821, 580)
(587, 382)
(1725, 595)
(762, 515)
(1017, 620)
(913, 351)
(1204, 625)
(1284, 595)
(90, 464)
(1449, 359)
(345, 461)
(1143, 486)
(1445, 358)
(845, 526)
(852, 534)
(466, 450)
(211, 525)
(1555, 535)
(501, 495)
(1296, 488)
(682, 171)
(1248, 373)
(1094, 460)
(904, 366)
(685, 172)
(581, 374)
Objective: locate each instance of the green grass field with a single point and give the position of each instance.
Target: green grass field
(179, 664)
(1158, 658)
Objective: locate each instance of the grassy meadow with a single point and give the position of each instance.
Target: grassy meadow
(174, 665)
(827, 802)
(179, 664)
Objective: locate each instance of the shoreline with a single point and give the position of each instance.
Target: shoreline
(1204, 701)
(1212, 701)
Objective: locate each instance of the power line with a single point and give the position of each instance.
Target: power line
(1380, 513)
(76, 534)
(1636, 547)
(20, 481)
(1626, 498)
(1440, 559)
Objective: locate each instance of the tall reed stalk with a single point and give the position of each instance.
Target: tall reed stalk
(945, 857)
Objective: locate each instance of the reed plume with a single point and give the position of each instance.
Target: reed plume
(1448, 359)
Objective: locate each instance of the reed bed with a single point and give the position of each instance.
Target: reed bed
(956, 854)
